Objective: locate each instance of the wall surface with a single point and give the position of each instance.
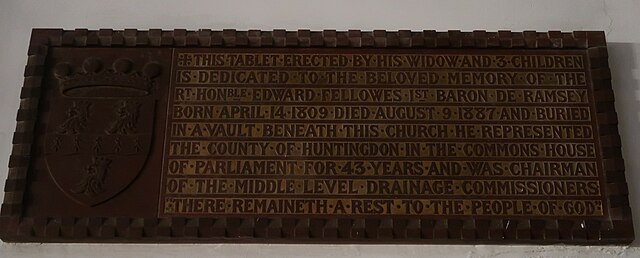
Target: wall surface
(618, 18)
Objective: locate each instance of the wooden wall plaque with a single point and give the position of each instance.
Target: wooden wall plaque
(316, 137)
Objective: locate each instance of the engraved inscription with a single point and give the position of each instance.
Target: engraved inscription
(498, 133)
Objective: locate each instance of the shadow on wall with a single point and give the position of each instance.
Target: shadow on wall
(623, 61)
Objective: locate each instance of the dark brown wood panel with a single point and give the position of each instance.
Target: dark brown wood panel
(316, 137)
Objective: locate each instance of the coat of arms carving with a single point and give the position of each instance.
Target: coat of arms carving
(100, 128)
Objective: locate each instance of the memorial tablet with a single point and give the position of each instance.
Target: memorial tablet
(316, 137)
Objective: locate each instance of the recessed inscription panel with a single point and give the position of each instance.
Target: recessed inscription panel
(361, 133)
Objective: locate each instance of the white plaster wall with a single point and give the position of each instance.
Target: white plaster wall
(620, 19)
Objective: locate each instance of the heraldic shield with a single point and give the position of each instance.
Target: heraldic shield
(99, 131)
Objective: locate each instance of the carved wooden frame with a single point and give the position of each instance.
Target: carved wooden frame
(616, 229)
